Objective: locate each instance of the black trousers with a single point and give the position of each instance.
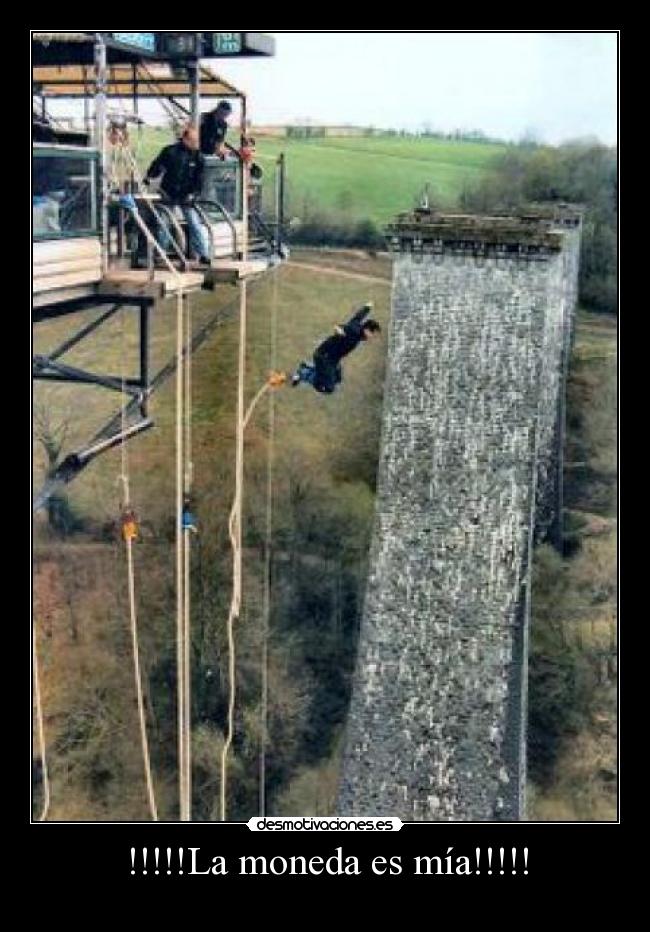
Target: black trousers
(327, 374)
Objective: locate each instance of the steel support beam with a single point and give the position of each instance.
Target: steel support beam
(81, 334)
(63, 373)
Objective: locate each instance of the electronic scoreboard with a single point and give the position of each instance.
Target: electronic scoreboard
(144, 41)
(193, 45)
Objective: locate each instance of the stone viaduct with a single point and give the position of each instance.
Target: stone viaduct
(469, 481)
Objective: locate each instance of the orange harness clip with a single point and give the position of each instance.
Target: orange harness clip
(129, 526)
(277, 379)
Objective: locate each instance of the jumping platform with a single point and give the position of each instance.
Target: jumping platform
(163, 284)
(233, 270)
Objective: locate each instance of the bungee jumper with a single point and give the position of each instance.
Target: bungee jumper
(324, 374)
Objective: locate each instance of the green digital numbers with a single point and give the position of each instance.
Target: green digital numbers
(226, 43)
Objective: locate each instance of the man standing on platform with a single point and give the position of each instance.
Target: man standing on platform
(214, 126)
(181, 167)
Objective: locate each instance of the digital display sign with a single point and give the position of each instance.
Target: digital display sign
(138, 40)
(181, 44)
(191, 46)
(226, 43)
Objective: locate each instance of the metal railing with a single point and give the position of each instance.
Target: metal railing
(206, 220)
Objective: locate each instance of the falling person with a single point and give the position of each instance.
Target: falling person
(324, 374)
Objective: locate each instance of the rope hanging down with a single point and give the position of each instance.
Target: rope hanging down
(41, 730)
(234, 528)
(184, 805)
(268, 555)
(235, 522)
(187, 537)
(182, 583)
(275, 380)
(128, 532)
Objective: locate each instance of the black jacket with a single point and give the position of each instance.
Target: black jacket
(336, 347)
(42, 132)
(213, 132)
(182, 171)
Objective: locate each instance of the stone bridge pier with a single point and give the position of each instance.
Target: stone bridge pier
(480, 338)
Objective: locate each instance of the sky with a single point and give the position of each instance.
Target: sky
(550, 86)
(555, 86)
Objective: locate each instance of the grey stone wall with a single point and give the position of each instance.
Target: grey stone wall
(555, 362)
(436, 727)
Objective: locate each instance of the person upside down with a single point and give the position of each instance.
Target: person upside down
(324, 374)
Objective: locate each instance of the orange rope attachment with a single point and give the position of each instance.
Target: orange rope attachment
(129, 526)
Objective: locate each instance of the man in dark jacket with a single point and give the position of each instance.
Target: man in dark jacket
(181, 167)
(214, 126)
(325, 372)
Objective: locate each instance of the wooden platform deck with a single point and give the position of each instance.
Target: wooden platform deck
(232, 270)
(137, 282)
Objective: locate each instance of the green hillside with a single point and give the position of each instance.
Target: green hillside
(376, 177)
(326, 453)
(365, 177)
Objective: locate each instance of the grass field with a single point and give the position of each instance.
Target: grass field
(309, 305)
(320, 443)
(574, 600)
(80, 602)
(376, 178)
(362, 177)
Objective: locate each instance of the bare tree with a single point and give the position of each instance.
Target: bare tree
(51, 433)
